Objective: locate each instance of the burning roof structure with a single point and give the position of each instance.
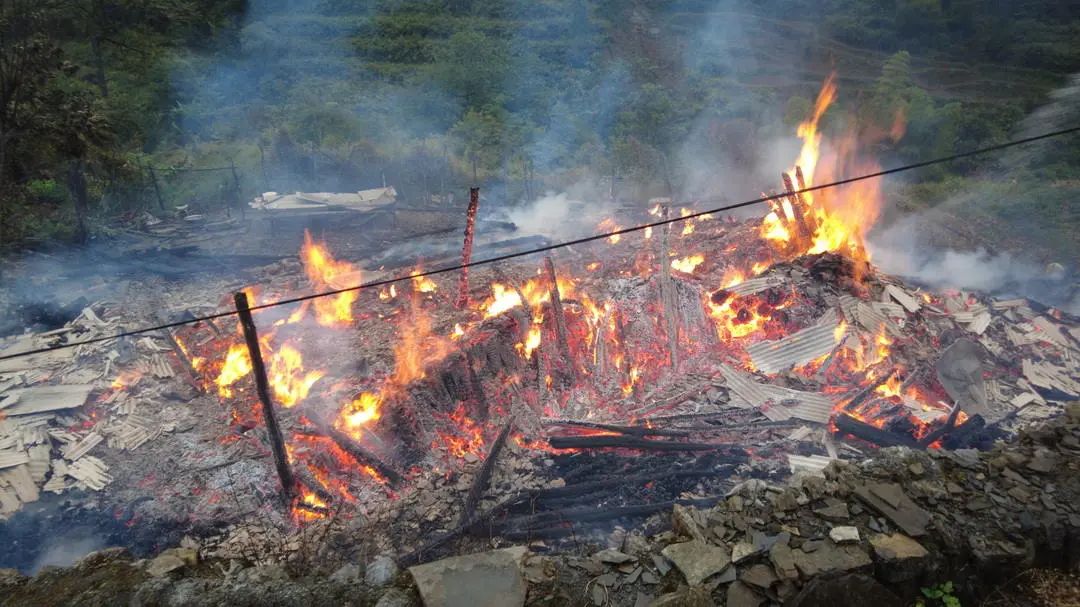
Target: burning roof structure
(543, 396)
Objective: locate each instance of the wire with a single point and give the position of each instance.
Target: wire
(558, 245)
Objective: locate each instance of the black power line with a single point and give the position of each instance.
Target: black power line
(559, 245)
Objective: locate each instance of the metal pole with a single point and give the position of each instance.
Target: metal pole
(262, 386)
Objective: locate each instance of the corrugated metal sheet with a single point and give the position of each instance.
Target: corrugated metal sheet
(903, 298)
(795, 349)
(13, 458)
(755, 285)
(810, 464)
(776, 402)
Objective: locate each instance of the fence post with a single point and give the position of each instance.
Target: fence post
(157, 191)
(262, 386)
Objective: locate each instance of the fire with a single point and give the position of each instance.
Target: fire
(458, 332)
(688, 264)
(774, 229)
(324, 272)
(237, 364)
(363, 410)
(609, 225)
(287, 377)
(126, 379)
(532, 340)
(534, 290)
(467, 436)
(423, 284)
(648, 233)
(417, 347)
(631, 381)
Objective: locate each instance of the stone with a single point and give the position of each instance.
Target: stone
(837, 513)
(395, 597)
(487, 579)
(741, 595)
(662, 565)
(844, 535)
(10, 577)
(891, 502)
(684, 597)
(917, 469)
(650, 578)
(697, 560)
(830, 558)
(783, 561)
(381, 572)
(841, 590)
(742, 551)
(761, 576)
(1044, 463)
(728, 576)
(786, 500)
(613, 557)
(103, 556)
(685, 522)
(896, 547)
(643, 599)
(163, 564)
(346, 574)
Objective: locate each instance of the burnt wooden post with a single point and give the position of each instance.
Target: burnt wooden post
(667, 293)
(157, 191)
(561, 338)
(262, 386)
(466, 250)
(799, 208)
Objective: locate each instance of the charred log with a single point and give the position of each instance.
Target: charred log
(607, 441)
(846, 424)
(360, 454)
(480, 483)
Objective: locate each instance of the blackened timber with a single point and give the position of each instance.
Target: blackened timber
(360, 454)
(476, 387)
(308, 480)
(466, 249)
(865, 393)
(189, 370)
(262, 386)
(480, 483)
(440, 539)
(667, 293)
(611, 441)
(628, 430)
(522, 527)
(944, 429)
(561, 337)
(846, 424)
(579, 489)
(798, 207)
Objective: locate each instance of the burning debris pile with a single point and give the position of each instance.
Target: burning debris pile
(539, 400)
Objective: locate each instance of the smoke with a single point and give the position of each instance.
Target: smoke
(65, 550)
(564, 215)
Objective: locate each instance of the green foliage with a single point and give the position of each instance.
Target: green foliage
(942, 594)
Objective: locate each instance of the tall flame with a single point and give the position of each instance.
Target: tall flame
(325, 272)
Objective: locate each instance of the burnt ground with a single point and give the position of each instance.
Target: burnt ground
(1001, 528)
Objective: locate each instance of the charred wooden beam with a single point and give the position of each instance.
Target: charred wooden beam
(561, 334)
(361, 455)
(185, 361)
(307, 479)
(480, 483)
(522, 527)
(941, 431)
(262, 386)
(798, 206)
(466, 249)
(628, 430)
(846, 424)
(609, 441)
(667, 293)
(579, 489)
(429, 548)
(865, 393)
(476, 387)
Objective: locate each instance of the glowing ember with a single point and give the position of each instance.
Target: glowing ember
(126, 379)
(532, 340)
(423, 284)
(458, 332)
(324, 272)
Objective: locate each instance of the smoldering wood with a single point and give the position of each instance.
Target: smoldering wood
(799, 208)
(262, 387)
(562, 520)
(580, 489)
(628, 430)
(466, 249)
(307, 479)
(941, 431)
(667, 293)
(429, 548)
(363, 456)
(185, 362)
(607, 441)
(846, 424)
(866, 392)
(480, 483)
(476, 388)
(561, 337)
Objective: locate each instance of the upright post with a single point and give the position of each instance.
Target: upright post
(668, 301)
(262, 386)
(157, 191)
(556, 308)
(466, 250)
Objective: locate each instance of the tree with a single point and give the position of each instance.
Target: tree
(473, 66)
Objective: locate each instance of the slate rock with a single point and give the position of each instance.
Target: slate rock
(844, 535)
(685, 522)
(836, 591)
(783, 561)
(742, 551)
(761, 576)
(900, 558)
(381, 572)
(613, 557)
(889, 500)
(346, 574)
(163, 564)
(697, 560)
(395, 597)
(830, 558)
(741, 595)
(837, 513)
(487, 579)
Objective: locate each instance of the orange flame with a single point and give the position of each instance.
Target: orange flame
(287, 377)
(324, 272)
(688, 264)
(237, 364)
